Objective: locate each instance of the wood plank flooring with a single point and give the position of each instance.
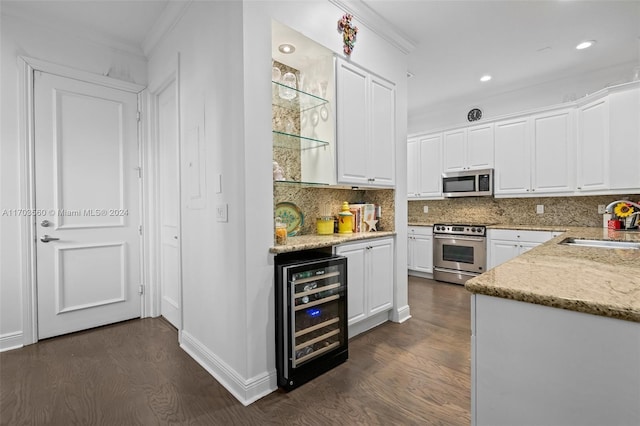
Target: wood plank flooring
(134, 373)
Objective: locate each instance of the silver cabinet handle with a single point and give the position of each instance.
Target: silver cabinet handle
(45, 238)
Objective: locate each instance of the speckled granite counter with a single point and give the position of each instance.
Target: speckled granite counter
(586, 279)
(308, 242)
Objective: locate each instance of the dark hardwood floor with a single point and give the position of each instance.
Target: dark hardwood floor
(134, 373)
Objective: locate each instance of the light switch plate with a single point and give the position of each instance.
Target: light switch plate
(425, 209)
(540, 209)
(221, 212)
(601, 208)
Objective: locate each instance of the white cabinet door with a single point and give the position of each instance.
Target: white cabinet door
(593, 146)
(380, 279)
(454, 150)
(423, 253)
(366, 115)
(352, 123)
(413, 168)
(356, 280)
(553, 152)
(382, 147)
(501, 251)
(430, 166)
(512, 157)
(624, 108)
(480, 147)
(369, 277)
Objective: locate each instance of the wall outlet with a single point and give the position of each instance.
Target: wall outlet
(425, 209)
(540, 209)
(601, 209)
(221, 212)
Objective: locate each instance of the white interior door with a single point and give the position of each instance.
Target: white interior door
(87, 204)
(167, 130)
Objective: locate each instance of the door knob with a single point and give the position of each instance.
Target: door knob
(45, 238)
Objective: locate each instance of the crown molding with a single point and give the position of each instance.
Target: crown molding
(376, 23)
(171, 15)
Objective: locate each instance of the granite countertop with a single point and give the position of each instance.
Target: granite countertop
(585, 279)
(314, 241)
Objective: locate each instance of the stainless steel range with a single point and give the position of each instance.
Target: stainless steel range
(459, 252)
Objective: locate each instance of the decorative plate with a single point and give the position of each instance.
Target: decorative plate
(291, 215)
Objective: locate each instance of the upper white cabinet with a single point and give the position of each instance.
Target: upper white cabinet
(608, 151)
(424, 166)
(593, 146)
(468, 148)
(366, 115)
(535, 154)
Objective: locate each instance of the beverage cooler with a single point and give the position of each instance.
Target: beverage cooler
(311, 316)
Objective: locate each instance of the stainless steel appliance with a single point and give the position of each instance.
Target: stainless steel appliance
(459, 252)
(468, 183)
(311, 316)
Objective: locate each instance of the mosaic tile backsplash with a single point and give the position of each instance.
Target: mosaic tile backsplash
(312, 200)
(565, 211)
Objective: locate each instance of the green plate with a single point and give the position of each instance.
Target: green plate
(291, 215)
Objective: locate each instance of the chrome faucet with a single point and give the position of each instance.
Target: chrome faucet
(609, 208)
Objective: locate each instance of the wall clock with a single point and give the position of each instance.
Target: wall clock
(474, 115)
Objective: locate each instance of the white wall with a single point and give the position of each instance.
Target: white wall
(454, 113)
(20, 37)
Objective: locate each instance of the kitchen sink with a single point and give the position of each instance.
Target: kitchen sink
(606, 244)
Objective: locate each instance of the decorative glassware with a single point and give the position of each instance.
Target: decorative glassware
(275, 74)
(287, 84)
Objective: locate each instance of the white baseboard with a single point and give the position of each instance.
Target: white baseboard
(420, 274)
(11, 341)
(368, 323)
(401, 314)
(245, 391)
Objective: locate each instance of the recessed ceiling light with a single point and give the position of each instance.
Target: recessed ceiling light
(585, 44)
(484, 78)
(287, 48)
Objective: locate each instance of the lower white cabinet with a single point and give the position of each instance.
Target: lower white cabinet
(420, 249)
(505, 244)
(369, 280)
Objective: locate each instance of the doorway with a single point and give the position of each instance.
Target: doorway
(86, 185)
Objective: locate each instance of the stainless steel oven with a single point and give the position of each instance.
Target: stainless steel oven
(459, 252)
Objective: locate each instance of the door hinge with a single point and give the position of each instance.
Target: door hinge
(140, 229)
(139, 169)
(140, 289)
(139, 115)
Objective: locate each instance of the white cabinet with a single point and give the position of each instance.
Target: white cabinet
(366, 116)
(468, 148)
(370, 278)
(505, 244)
(535, 154)
(424, 178)
(420, 249)
(593, 146)
(608, 151)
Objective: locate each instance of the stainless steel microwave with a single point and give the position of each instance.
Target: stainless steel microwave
(468, 183)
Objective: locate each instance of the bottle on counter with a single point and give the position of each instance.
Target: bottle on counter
(281, 232)
(345, 220)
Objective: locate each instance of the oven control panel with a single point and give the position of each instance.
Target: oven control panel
(478, 230)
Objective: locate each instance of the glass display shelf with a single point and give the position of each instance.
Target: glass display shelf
(287, 140)
(301, 102)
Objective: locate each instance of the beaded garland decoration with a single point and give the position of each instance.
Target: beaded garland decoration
(348, 31)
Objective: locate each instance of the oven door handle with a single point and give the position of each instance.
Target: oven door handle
(448, 237)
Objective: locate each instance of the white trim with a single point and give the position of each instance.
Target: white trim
(63, 71)
(27, 202)
(10, 341)
(245, 391)
(377, 24)
(401, 314)
(170, 17)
